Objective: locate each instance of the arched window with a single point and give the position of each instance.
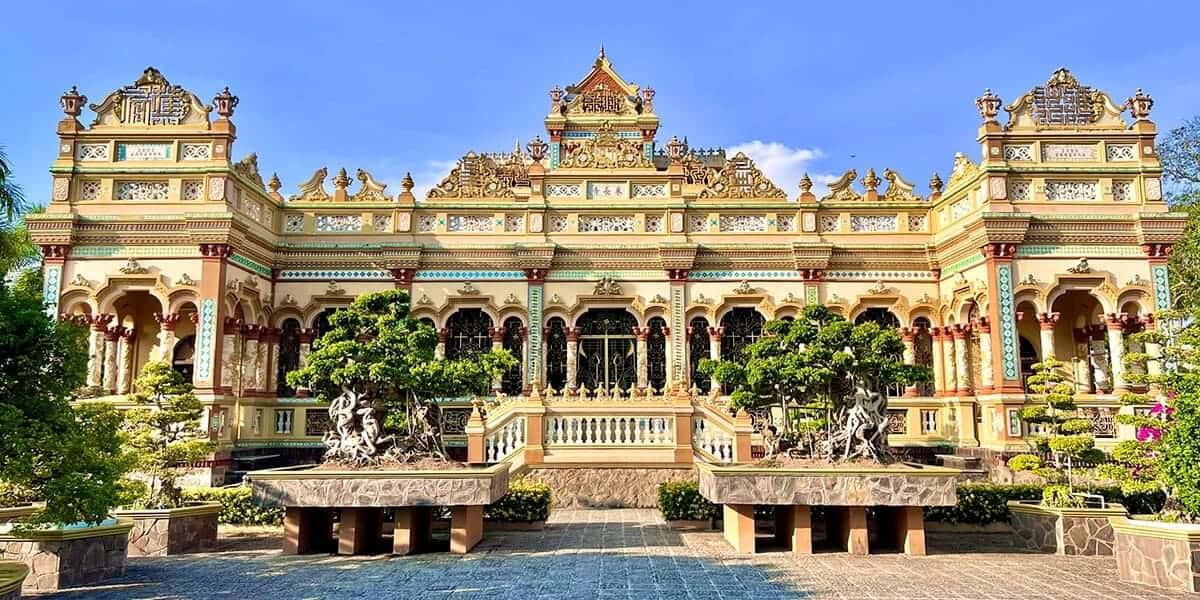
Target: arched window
(289, 356)
(321, 323)
(607, 349)
(182, 358)
(514, 342)
(886, 320)
(698, 346)
(656, 353)
(1029, 358)
(742, 327)
(556, 353)
(470, 333)
(923, 352)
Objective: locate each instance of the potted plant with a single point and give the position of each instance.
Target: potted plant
(1162, 549)
(162, 432)
(1064, 521)
(66, 458)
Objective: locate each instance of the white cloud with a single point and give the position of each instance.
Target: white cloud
(785, 165)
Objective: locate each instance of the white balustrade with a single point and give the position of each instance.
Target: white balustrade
(509, 438)
(710, 438)
(610, 430)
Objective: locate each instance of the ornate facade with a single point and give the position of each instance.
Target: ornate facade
(610, 264)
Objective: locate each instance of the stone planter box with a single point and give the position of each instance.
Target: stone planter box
(9, 514)
(69, 556)
(310, 495)
(183, 530)
(846, 492)
(12, 575)
(1069, 531)
(1165, 555)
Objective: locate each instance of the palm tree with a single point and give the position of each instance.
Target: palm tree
(12, 199)
(16, 248)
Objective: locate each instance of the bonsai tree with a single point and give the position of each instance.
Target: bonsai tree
(163, 431)
(828, 377)
(1067, 437)
(376, 368)
(68, 457)
(1166, 450)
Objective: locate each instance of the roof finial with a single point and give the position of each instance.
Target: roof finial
(602, 51)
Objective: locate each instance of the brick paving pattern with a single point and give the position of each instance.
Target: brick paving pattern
(619, 554)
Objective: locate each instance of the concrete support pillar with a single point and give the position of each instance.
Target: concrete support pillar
(475, 430)
(909, 335)
(110, 359)
(642, 335)
(681, 406)
(793, 528)
(910, 530)
(572, 357)
(739, 527)
(962, 363)
(358, 530)
(125, 373)
(466, 528)
(413, 529)
(1046, 322)
(854, 528)
(987, 376)
(1115, 324)
(306, 530)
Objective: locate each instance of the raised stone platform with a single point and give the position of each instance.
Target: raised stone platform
(311, 496)
(168, 531)
(69, 557)
(1164, 555)
(845, 493)
(1068, 531)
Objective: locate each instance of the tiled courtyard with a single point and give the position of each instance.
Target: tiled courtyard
(624, 554)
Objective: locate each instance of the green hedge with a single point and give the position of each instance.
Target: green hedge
(681, 500)
(526, 501)
(983, 503)
(238, 506)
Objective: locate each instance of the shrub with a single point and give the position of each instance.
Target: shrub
(238, 506)
(983, 503)
(526, 501)
(681, 500)
(1025, 462)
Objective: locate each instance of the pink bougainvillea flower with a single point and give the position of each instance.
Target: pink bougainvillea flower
(1149, 434)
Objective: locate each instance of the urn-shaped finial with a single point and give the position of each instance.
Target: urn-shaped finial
(537, 148)
(72, 102)
(1139, 105)
(988, 105)
(225, 102)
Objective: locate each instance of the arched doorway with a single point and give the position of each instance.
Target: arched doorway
(289, 356)
(886, 319)
(742, 326)
(656, 354)
(514, 342)
(607, 349)
(698, 350)
(470, 333)
(556, 353)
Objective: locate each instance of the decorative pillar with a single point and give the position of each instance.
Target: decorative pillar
(110, 359)
(210, 343)
(228, 343)
(403, 278)
(908, 336)
(166, 335)
(535, 280)
(1116, 350)
(714, 342)
(983, 326)
(249, 359)
(261, 359)
(1006, 364)
(54, 258)
(939, 365)
(125, 358)
(962, 364)
(440, 351)
(677, 345)
(572, 353)
(497, 344)
(1046, 323)
(1158, 255)
(642, 335)
(949, 361)
(272, 367)
(95, 374)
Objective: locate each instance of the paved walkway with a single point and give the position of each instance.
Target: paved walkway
(611, 554)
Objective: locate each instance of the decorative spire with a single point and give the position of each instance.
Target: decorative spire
(676, 149)
(407, 182)
(988, 105)
(556, 99)
(342, 180)
(274, 183)
(537, 148)
(601, 57)
(647, 99)
(72, 102)
(805, 183)
(225, 102)
(935, 183)
(1139, 105)
(870, 180)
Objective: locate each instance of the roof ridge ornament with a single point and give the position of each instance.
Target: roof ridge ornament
(370, 190)
(842, 189)
(482, 176)
(313, 190)
(151, 101)
(1064, 103)
(898, 190)
(741, 178)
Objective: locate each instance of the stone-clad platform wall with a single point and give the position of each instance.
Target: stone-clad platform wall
(608, 487)
(928, 486)
(74, 558)
(172, 531)
(1152, 554)
(1073, 532)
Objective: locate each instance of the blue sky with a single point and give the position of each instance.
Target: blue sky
(401, 87)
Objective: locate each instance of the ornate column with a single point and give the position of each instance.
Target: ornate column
(306, 339)
(714, 342)
(939, 365)
(535, 280)
(962, 363)
(249, 358)
(210, 351)
(440, 351)
(1006, 361)
(228, 344)
(95, 374)
(908, 336)
(166, 335)
(54, 259)
(1158, 255)
(403, 278)
(678, 371)
(273, 362)
(497, 344)
(261, 374)
(949, 362)
(983, 326)
(1046, 323)
(572, 353)
(125, 357)
(110, 359)
(1115, 324)
(642, 334)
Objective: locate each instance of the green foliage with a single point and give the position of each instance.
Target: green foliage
(238, 506)
(69, 457)
(163, 431)
(1059, 496)
(1068, 438)
(526, 501)
(983, 503)
(681, 500)
(1025, 462)
(1180, 467)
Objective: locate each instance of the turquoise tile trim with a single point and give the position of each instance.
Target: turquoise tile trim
(335, 275)
(256, 267)
(468, 275)
(567, 275)
(533, 362)
(208, 334)
(648, 150)
(577, 135)
(134, 251)
(877, 275)
(739, 275)
(50, 288)
(1008, 322)
(1162, 287)
(122, 152)
(678, 335)
(555, 153)
(1077, 251)
(962, 264)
